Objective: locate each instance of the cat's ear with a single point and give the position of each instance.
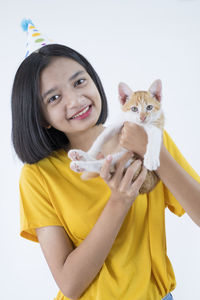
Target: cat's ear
(156, 89)
(124, 92)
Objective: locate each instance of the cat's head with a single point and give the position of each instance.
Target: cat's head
(141, 107)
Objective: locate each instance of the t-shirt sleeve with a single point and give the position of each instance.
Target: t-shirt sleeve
(170, 200)
(36, 210)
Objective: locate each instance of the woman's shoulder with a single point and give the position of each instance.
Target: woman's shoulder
(56, 159)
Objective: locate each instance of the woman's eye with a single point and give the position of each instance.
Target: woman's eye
(53, 99)
(134, 108)
(78, 82)
(149, 107)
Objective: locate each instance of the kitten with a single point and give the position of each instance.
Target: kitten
(142, 108)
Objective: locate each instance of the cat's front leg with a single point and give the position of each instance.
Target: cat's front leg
(151, 157)
(88, 166)
(95, 165)
(77, 154)
(107, 134)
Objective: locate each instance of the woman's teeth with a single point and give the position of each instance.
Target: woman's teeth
(81, 113)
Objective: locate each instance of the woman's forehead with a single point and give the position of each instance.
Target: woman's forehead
(62, 65)
(59, 70)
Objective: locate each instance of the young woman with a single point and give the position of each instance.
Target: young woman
(101, 239)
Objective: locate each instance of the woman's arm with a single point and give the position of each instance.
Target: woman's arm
(184, 188)
(74, 269)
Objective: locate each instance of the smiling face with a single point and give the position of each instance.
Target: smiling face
(71, 102)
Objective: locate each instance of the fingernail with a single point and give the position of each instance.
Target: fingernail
(109, 157)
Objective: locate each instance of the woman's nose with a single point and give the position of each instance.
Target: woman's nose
(72, 99)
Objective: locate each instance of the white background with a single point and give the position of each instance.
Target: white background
(131, 41)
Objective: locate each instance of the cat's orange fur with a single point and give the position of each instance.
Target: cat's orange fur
(142, 98)
(145, 98)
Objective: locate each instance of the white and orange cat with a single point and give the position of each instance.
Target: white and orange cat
(142, 108)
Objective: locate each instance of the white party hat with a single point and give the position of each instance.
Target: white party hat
(35, 39)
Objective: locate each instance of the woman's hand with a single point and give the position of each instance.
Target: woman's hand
(133, 138)
(124, 189)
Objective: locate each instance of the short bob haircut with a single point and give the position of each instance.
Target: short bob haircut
(31, 140)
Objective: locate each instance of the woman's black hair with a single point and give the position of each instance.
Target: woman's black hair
(31, 140)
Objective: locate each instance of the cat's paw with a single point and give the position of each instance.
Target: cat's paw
(151, 164)
(88, 166)
(77, 154)
(75, 166)
(74, 155)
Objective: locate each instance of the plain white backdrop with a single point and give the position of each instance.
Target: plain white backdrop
(131, 41)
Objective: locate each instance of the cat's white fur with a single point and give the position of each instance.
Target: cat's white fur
(86, 161)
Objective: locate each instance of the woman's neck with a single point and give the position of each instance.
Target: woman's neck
(84, 140)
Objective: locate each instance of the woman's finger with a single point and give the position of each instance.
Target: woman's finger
(136, 185)
(130, 174)
(119, 168)
(105, 169)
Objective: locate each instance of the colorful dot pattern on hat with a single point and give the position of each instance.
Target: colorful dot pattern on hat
(35, 39)
(27, 53)
(36, 34)
(39, 40)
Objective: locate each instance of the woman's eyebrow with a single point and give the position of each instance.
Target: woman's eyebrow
(76, 74)
(49, 92)
(55, 88)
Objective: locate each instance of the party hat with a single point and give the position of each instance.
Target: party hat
(35, 39)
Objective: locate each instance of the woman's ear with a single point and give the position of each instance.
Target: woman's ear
(124, 92)
(48, 127)
(156, 89)
(45, 124)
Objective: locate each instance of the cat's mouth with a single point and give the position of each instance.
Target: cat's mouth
(142, 121)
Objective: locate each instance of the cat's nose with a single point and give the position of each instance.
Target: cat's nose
(142, 118)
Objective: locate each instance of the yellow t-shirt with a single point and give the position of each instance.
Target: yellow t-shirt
(137, 266)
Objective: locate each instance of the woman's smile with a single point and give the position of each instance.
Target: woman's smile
(71, 100)
(84, 113)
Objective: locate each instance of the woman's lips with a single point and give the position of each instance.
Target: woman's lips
(84, 115)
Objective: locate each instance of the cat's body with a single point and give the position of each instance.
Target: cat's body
(142, 108)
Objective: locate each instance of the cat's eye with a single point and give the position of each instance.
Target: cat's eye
(134, 108)
(149, 107)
